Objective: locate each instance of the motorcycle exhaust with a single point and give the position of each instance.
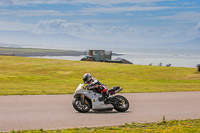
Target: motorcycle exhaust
(120, 89)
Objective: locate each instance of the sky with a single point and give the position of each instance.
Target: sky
(52, 23)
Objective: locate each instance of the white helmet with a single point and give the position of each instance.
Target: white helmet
(87, 78)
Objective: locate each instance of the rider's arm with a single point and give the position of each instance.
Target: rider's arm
(94, 84)
(95, 81)
(89, 86)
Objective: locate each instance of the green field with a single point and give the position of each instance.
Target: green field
(175, 126)
(23, 76)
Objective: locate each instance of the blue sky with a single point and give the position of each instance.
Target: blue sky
(129, 22)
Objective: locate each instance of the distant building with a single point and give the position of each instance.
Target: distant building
(100, 55)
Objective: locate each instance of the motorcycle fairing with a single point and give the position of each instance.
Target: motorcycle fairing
(94, 98)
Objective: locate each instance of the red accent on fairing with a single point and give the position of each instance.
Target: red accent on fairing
(104, 90)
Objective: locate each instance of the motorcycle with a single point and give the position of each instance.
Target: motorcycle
(85, 99)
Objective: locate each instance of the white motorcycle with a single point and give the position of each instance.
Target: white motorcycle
(85, 99)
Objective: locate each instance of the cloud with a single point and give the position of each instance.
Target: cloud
(96, 2)
(29, 2)
(99, 6)
(125, 9)
(183, 17)
(59, 26)
(101, 32)
(79, 29)
(55, 24)
(31, 13)
(96, 32)
(103, 21)
(86, 11)
(4, 25)
(114, 2)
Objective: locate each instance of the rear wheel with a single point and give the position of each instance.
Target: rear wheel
(122, 103)
(82, 107)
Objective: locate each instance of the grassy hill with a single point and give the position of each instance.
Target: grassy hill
(23, 75)
(39, 52)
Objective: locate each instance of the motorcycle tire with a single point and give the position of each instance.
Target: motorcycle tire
(123, 106)
(78, 106)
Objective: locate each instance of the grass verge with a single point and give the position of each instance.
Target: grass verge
(174, 126)
(31, 76)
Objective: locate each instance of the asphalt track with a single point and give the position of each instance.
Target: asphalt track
(56, 111)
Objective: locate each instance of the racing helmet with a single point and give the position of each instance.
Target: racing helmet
(87, 78)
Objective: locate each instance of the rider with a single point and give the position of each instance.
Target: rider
(93, 83)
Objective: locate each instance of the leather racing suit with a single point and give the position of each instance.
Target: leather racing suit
(98, 86)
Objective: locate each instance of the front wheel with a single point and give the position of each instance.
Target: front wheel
(82, 107)
(121, 104)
